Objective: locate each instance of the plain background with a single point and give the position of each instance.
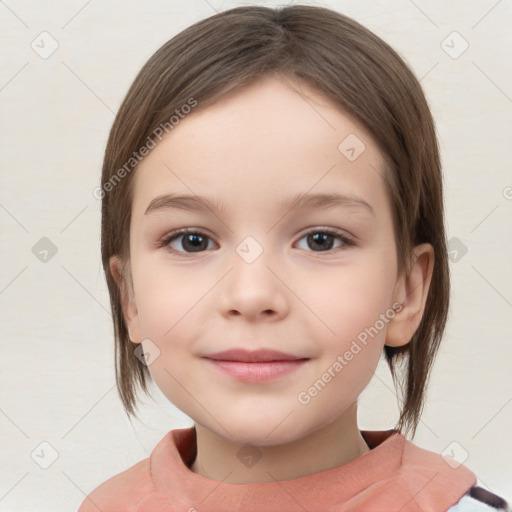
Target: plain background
(57, 382)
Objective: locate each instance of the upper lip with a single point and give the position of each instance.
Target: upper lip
(253, 356)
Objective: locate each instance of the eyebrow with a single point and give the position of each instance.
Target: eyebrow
(307, 201)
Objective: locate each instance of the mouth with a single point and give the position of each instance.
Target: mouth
(255, 356)
(256, 367)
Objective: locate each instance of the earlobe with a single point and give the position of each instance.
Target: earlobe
(411, 291)
(128, 304)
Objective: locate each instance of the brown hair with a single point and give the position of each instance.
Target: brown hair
(341, 59)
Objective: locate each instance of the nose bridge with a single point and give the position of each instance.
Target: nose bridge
(250, 250)
(252, 288)
(251, 264)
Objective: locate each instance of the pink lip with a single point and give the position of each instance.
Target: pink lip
(255, 366)
(256, 372)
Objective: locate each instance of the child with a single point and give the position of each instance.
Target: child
(272, 223)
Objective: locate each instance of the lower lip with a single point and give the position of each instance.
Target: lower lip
(257, 372)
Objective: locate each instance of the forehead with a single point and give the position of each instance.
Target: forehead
(274, 138)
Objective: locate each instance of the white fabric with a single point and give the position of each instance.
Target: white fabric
(469, 504)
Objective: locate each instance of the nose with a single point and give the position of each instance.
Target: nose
(254, 291)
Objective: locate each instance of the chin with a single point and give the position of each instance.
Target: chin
(263, 432)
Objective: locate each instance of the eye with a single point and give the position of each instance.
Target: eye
(324, 238)
(190, 241)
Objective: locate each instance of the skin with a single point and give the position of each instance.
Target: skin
(251, 149)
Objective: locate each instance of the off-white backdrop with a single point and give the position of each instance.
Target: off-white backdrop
(65, 68)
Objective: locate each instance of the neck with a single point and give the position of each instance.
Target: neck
(332, 446)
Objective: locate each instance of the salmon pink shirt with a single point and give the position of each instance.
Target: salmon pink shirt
(395, 475)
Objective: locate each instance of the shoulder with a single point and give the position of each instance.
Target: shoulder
(478, 499)
(124, 490)
(450, 484)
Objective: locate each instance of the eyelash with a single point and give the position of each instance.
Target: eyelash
(347, 240)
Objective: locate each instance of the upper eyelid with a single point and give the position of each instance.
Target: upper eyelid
(202, 231)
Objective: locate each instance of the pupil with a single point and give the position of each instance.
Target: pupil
(195, 241)
(319, 238)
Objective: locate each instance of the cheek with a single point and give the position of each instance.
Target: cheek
(167, 299)
(169, 315)
(353, 298)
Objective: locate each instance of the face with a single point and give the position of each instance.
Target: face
(316, 281)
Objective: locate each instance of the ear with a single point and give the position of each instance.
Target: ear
(411, 292)
(128, 304)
